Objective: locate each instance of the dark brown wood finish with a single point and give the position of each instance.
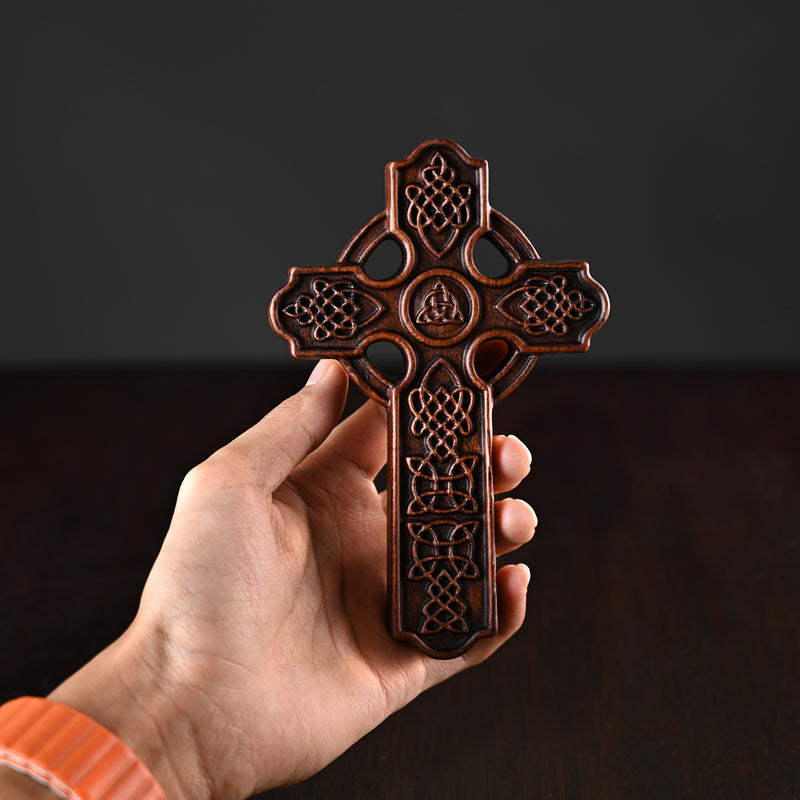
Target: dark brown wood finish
(661, 653)
(439, 310)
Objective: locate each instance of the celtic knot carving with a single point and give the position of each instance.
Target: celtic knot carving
(441, 414)
(439, 307)
(334, 309)
(442, 555)
(442, 481)
(545, 305)
(438, 204)
(447, 487)
(444, 611)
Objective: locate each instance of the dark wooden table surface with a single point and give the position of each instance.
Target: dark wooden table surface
(661, 655)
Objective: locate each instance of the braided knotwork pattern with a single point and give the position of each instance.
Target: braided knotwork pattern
(438, 202)
(331, 309)
(548, 306)
(446, 486)
(441, 415)
(442, 554)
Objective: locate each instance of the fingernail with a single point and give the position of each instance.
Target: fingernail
(319, 370)
(528, 452)
(527, 570)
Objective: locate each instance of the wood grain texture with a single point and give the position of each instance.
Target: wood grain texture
(661, 651)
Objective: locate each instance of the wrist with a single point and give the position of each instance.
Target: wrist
(126, 688)
(16, 786)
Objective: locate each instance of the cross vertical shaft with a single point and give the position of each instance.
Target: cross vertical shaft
(441, 566)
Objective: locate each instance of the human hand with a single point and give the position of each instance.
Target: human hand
(260, 650)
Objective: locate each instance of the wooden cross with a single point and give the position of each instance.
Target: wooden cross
(439, 309)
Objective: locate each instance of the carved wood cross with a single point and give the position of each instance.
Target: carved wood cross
(439, 309)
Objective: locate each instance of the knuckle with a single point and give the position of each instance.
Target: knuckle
(195, 479)
(220, 470)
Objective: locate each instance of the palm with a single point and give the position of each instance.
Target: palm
(288, 634)
(334, 523)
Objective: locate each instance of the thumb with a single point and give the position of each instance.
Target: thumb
(292, 430)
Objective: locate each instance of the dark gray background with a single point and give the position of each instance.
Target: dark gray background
(163, 164)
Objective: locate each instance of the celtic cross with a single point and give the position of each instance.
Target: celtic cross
(438, 310)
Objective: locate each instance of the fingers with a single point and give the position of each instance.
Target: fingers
(512, 593)
(515, 520)
(282, 439)
(359, 440)
(515, 524)
(511, 462)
